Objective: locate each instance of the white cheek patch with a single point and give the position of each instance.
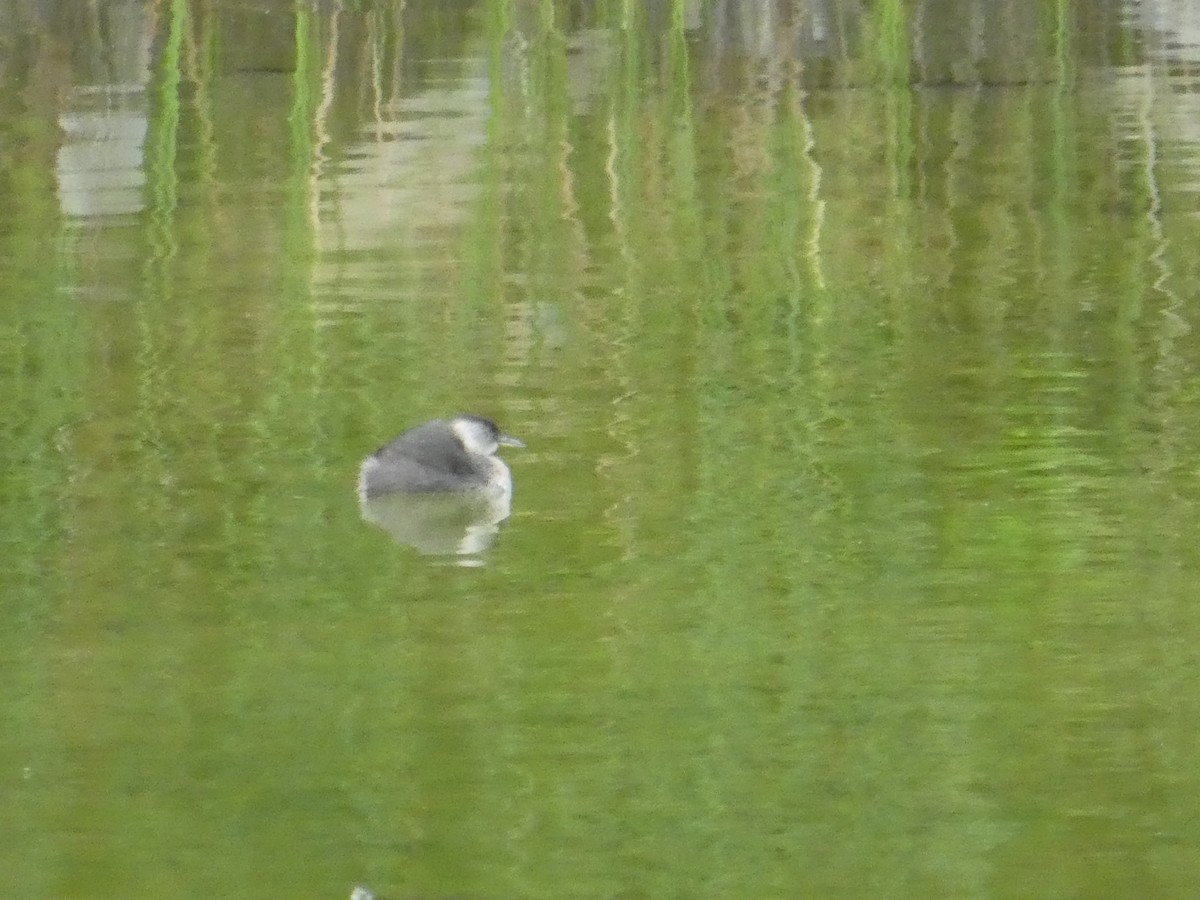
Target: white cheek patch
(475, 437)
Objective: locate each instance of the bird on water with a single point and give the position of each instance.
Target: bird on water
(441, 456)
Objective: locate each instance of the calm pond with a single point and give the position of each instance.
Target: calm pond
(853, 552)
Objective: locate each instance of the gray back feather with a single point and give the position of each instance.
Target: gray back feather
(427, 458)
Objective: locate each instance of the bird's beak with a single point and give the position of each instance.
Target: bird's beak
(507, 440)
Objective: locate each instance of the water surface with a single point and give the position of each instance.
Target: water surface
(853, 553)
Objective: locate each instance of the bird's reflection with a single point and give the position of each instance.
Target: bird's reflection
(461, 524)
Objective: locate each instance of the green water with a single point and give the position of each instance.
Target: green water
(853, 554)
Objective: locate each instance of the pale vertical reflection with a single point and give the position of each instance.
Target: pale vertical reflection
(374, 39)
(622, 140)
(101, 161)
(200, 53)
(407, 186)
(816, 201)
(577, 261)
(321, 136)
(1145, 86)
(163, 140)
(1161, 98)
